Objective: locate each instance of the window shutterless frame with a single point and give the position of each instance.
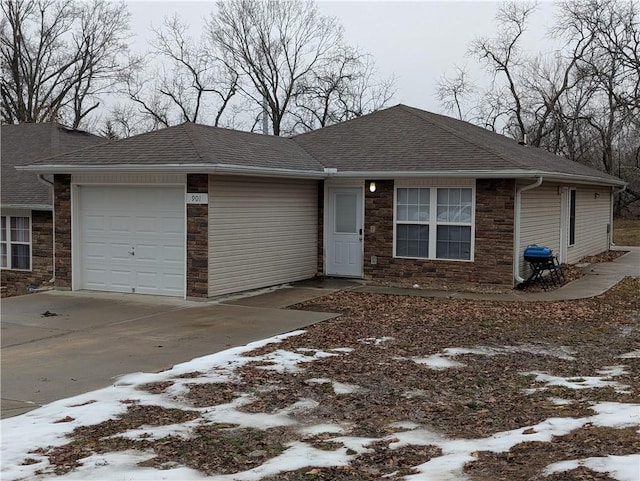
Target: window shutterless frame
(434, 222)
(16, 242)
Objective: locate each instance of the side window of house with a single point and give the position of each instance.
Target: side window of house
(434, 223)
(572, 217)
(15, 242)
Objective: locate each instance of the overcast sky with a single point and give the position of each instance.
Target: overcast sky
(417, 42)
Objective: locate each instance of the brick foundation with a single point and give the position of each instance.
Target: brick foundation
(492, 268)
(16, 283)
(197, 239)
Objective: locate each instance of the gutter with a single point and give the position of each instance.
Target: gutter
(53, 222)
(230, 169)
(46, 207)
(199, 168)
(516, 228)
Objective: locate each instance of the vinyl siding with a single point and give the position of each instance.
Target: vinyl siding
(592, 218)
(539, 221)
(263, 232)
(541, 215)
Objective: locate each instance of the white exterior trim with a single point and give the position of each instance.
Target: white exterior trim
(118, 180)
(9, 213)
(329, 216)
(320, 174)
(433, 192)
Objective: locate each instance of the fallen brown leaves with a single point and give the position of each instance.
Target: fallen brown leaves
(382, 382)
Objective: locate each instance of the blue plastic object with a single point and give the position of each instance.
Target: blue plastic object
(538, 252)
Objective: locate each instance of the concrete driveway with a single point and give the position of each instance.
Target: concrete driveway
(58, 344)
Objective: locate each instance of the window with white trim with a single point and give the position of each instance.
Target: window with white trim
(434, 223)
(15, 242)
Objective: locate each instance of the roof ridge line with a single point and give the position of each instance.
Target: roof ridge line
(306, 151)
(191, 139)
(460, 136)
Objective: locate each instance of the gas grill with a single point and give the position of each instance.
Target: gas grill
(545, 268)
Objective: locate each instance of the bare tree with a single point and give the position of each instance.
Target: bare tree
(179, 80)
(58, 57)
(344, 88)
(502, 54)
(274, 46)
(453, 91)
(609, 69)
(582, 102)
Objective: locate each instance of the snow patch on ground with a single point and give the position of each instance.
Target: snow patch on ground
(445, 358)
(437, 362)
(582, 382)
(622, 468)
(22, 434)
(630, 355)
(338, 387)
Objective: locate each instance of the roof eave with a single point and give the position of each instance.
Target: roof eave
(224, 169)
(46, 207)
(227, 169)
(482, 174)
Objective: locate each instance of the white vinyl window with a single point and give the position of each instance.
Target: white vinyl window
(434, 223)
(15, 242)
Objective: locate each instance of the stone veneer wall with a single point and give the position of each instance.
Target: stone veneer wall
(62, 213)
(320, 227)
(197, 239)
(16, 282)
(492, 268)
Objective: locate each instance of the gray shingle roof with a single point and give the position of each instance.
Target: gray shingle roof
(398, 140)
(23, 144)
(406, 139)
(193, 145)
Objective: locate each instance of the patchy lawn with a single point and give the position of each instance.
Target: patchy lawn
(397, 387)
(626, 232)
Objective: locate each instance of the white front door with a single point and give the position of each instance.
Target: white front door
(131, 239)
(344, 232)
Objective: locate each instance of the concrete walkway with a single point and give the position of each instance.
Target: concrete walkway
(598, 279)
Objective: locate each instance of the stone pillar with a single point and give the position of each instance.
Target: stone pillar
(198, 239)
(320, 227)
(62, 222)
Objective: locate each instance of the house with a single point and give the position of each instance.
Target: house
(26, 208)
(400, 196)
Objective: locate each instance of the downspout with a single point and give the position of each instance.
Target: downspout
(613, 195)
(44, 181)
(53, 224)
(516, 228)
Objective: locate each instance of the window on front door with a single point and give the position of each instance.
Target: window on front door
(434, 223)
(15, 242)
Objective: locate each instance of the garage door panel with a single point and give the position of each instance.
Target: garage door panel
(117, 221)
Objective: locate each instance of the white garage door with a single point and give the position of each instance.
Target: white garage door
(263, 232)
(132, 239)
